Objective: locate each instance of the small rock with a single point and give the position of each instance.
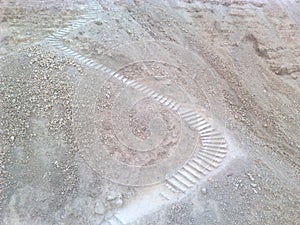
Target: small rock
(112, 196)
(253, 185)
(119, 202)
(294, 76)
(250, 176)
(99, 208)
(204, 190)
(98, 23)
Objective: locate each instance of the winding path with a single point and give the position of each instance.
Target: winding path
(208, 157)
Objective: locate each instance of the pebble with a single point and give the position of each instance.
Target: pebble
(294, 77)
(99, 208)
(119, 202)
(204, 190)
(250, 176)
(253, 185)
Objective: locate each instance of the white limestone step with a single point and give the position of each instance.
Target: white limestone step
(188, 114)
(194, 172)
(213, 138)
(188, 175)
(211, 156)
(177, 185)
(215, 146)
(216, 142)
(193, 117)
(203, 164)
(198, 168)
(198, 120)
(184, 180)
(203, 128)
(214, 152)
(208, 161)
(199, 125)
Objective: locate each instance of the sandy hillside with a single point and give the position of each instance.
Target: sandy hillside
(149, 112)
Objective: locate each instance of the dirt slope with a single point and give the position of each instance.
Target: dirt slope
(80, 147)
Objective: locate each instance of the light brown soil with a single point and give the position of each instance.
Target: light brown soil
(79, 147)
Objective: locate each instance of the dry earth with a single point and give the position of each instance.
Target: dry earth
(80, 147)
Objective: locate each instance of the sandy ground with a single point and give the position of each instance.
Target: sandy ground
(80, 147)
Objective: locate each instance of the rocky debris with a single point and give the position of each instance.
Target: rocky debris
(37, 86)
(179, 213)
(287, 69)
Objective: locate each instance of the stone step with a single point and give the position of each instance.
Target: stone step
(185, 177)
(172, 188)
(69, 51)
(200, 125)
(124, 78)
(217, 142)
(198, 121)
(119, 76)
(159, 97)
(203, 128)
(164, 99)
(76, 55)
(183, 110)
(181, 179)
(209, 133)
(168, 102)
(203, 164)
(208, 161)
(215, 146)
(214, 152)
(106, 69)
(87, 61)
(152, 92)
(175, 184)
(193, 117)
(99, 66)
(175, 107)
(210, 156)
(143, 88)
(147, 91)
(172, 104)
(213, 138)
(138, 86)
(188, 114)
(198, 168)
(93, 64)
(188, 175)
(191, 170)
(135, 84)
(129, 82)
(154, 95)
